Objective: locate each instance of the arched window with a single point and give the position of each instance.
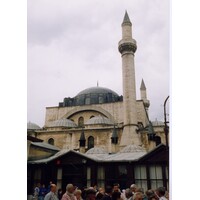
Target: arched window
(90, 142)
(81, 121)
(51, 141)
(158, 140)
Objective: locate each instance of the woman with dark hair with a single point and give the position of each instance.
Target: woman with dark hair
(116, 196)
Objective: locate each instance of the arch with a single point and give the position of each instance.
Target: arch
(88, 108)
(90, 142)
(51, 141)
(157, 140)
(81, 121)
(91, 116)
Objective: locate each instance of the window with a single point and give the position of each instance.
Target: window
(140, 174)
(37, 176)
(51, 141)
(156, 179)
(88, 176)
(59, 177)
(90, 142)
(81, 121)
(101, 176)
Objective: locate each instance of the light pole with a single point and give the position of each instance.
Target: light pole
(166, 128)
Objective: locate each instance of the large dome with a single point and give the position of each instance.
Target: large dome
(97, 90)
(96, 95)
(93, 95)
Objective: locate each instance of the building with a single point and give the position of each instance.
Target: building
(104, 137)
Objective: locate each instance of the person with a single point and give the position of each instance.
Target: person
(42, 192)
(160, 193)
(90, 194)
(142, 191)
(60, 193)
(150, 195)
(116, 195)
(138, 196)
(128, 194)
(108, 193)
(78, 194)
(52, 194)
(69, 194)
(36, 191)
(116, 188)
(99, 196)
(133, 188)
(49, 186)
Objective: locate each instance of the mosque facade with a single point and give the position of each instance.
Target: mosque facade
(104, 137)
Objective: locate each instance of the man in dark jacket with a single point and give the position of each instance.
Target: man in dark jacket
(108, 193)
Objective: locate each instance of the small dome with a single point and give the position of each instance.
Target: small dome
(132, 148)
(63, 123)
(158, 123)
(99, 120)
(32, 126)
(96, 150)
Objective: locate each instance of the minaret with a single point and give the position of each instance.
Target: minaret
(127, 48)
(143, 94)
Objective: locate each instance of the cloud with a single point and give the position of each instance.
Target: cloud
(74, 44)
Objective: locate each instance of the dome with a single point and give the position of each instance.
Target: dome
(96, 150)
(63, 123)
(99, 120)
(97, 90)
(158, 123)
(132, 148)
(32, 126)
(96, 95)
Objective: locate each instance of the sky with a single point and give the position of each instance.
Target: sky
(72, 45)
(27, 90)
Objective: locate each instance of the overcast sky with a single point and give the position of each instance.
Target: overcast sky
(72, 44)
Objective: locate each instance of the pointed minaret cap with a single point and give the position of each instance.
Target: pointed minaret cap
(82, 138)
(126, 20)
(142, 87)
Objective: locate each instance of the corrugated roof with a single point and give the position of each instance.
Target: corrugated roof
(98, 157)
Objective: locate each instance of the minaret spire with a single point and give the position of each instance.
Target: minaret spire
(126, 19)
(142, 87)
(143, 94)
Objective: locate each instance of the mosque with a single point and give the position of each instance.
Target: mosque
(99, 137)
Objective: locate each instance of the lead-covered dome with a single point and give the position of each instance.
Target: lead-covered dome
(93, 95)
(96, 150)
(96, 95)
(99, 120)
(32, 126)
(132, 148)
(63, 123)
(97, 90)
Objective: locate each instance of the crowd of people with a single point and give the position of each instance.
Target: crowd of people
(93, 193)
